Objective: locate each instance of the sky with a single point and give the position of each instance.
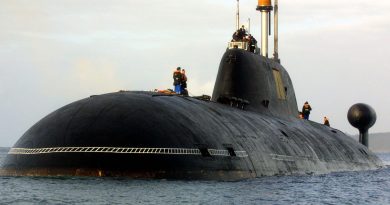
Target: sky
(55, 52)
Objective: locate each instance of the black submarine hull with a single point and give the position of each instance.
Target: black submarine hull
(148, 135)
(249, 129)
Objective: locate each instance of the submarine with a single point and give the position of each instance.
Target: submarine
(249, 128)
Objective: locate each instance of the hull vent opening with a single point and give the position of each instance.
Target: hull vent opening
(205, 152)
(265, 103)
(231, 151)
(284, 134)
(363, 152)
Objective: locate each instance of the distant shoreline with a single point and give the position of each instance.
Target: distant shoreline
(378, 142)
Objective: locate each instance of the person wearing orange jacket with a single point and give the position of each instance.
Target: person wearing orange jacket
(326, 121)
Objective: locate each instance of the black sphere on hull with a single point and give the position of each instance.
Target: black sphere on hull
(362, 117)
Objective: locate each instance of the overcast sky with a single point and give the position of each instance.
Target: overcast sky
(54, 52)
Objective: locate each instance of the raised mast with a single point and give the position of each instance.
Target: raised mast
(249, 25)
(238, 15)
(265, 7)
(276, 34)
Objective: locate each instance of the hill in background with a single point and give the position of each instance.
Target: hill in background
(378, 142)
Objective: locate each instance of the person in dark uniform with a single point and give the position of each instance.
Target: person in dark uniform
(184, 90)
(252, 43)
(235, 36)
(177, 80)
(306, 110)
(242, 33)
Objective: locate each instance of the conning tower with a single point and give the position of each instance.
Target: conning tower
(252, 81)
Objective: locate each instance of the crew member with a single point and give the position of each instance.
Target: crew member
(184, 90)
(306, 110)
(326, 121)
(252, 43)
(177, 80)
(242, 33)
(235, 36)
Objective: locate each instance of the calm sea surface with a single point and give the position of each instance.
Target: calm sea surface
(371, 187)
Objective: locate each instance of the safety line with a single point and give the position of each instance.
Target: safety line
(123, 150)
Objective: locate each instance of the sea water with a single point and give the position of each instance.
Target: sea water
(368, 187)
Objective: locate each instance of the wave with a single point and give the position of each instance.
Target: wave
(4, 150)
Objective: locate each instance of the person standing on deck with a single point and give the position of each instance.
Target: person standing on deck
(326, 121)
(184, 90)
(177, 77)
(306, 110)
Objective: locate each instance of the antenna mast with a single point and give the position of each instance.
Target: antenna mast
(276, 35)
(238, 15)
(249, 25)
